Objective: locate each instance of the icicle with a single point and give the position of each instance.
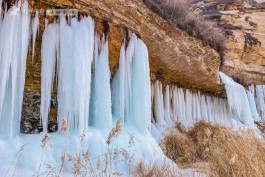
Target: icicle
(117, 88)
(103, 116)
(188, 105)
(204, 109)
(260, 100)
(66, 77)
(159, 105)
(1, 3)
(141, 88)
(252, 105)
(92, 106)
(128, 74)
(167, 107)
(83, 46)
(35, 30)
(252, 89)
(48, 58)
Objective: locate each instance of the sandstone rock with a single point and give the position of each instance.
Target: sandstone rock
(175, 57)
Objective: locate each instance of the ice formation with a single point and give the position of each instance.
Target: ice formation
(71, 47)
(238, 100)
(188, 108)
(14, 50)
(75, 65)
(35, 30)
(257, 101)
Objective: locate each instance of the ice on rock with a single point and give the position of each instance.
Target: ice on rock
(237, 99)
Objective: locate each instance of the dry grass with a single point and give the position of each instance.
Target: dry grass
(226, 152)
(179, 148)
(178, 12)
(154, 170)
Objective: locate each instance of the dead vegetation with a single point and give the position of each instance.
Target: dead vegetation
(180, 14)
(226, 153)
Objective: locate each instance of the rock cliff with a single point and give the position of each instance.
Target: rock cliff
(175, 57)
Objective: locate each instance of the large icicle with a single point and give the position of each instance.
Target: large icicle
(48, 57)
(35, 30)
(82, 55)
(159, 105)
(118, 88)
(167, 115)
(103, 116)
(253, 107)
(237, 99)
(128, 74)
(141, 88)
(260, 100)
(66, 77)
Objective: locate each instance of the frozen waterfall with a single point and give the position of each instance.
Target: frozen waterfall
(238, 100)
(75, 68)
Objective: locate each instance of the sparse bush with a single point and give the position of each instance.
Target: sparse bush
(179, 13)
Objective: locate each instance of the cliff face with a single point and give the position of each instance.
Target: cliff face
(245, 57)
(243, 24)
(175, 57)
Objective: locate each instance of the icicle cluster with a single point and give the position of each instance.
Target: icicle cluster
(14, 35)
(183, 106)
(71, 47)
(131, 89)
(85, 95)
